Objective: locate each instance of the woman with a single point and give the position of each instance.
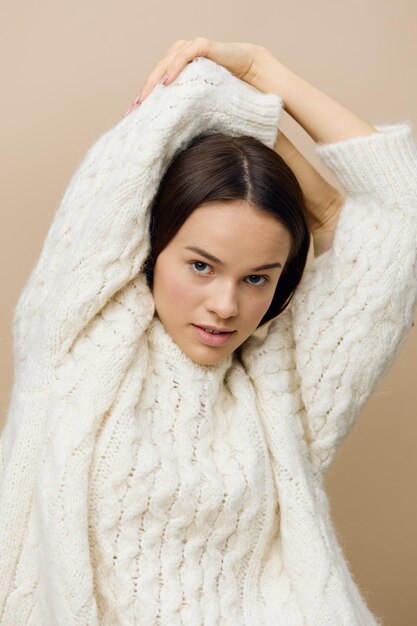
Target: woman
(155, 471)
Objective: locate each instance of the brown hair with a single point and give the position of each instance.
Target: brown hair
(220, 167)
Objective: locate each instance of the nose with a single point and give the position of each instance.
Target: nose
(223, 301)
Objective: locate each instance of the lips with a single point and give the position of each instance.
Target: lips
(213, 332)
(214, 329)
(213, 339)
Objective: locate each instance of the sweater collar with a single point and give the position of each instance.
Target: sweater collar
(167, 355)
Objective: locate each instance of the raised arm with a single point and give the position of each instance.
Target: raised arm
(326, 121)
(96, 245)
(323, 201)
(354, 306)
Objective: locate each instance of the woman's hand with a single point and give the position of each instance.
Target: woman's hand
(244, 60)
(323, 118)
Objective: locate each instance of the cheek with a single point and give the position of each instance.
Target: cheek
(179, 292)
(259, 306)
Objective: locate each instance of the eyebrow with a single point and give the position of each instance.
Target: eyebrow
(211, 257)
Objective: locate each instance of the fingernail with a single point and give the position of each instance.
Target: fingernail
(136, 100)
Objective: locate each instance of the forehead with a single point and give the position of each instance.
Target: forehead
(234, 226)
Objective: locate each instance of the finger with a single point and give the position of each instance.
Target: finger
(172, 65)
(170, 51)
(158, 73)
(177, 44)
(167, 69)
(184, 55)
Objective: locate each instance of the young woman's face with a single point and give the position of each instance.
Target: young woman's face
(192, 292)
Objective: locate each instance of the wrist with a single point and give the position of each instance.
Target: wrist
(271, 74)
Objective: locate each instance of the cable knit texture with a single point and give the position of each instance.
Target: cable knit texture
(139, 487)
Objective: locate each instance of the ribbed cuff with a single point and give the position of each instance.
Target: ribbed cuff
(240, 107)
(259, 112)
(383, 164)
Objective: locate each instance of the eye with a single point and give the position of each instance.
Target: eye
(200, 267)
(198, 263)
(264, 278)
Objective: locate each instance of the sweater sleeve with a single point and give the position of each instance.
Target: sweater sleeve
(98, 239)
(355, 303)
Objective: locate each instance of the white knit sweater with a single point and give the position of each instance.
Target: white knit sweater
(141, 488)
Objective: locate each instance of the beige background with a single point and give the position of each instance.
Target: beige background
(69, 72)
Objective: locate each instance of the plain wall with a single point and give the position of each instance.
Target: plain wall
(70, 70)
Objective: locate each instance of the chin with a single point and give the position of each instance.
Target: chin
(213, 360)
